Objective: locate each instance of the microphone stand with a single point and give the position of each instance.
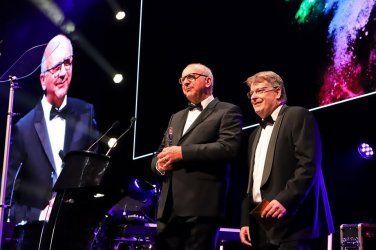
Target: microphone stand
(133, 119)
(3, 206)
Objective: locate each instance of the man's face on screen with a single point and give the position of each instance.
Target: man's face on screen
(56, 79)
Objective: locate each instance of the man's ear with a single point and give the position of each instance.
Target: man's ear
(42, 83)
(209, 82)
(279, 94)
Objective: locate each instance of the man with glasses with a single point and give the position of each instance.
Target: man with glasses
(193, 161)
(286, 191)
(55, 126)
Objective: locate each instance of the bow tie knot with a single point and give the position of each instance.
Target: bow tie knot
(192, 106)
(267, 121)
(60, 113)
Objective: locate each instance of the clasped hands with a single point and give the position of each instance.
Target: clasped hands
(167, 157)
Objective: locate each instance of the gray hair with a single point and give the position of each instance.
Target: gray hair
(207, 71)
(53, 45)
(271, 77)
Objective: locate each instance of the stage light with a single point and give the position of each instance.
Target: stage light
(112, 142)
(118, 78)
(56, 15)
(120, 15)
(117, 9)
(365, 151)
(68, 27)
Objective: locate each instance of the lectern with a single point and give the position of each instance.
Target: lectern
(83, 197)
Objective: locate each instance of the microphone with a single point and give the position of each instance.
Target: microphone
(169, 136)
(132, 120)
(114, 125)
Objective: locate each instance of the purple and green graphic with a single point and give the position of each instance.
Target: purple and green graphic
(352, 37)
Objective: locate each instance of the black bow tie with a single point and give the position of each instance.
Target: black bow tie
(60, 113)
(266, 121)
(193, 106)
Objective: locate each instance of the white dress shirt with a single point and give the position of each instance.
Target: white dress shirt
(56, 133)
(193, 114)
(260, 156)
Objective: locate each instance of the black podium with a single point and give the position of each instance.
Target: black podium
(83, 197)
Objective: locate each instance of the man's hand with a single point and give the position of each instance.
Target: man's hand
(162, 168)
(167, 157)
(245, 237)
(273, 210)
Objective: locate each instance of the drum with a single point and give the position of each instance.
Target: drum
(133, 243)
(127, 223)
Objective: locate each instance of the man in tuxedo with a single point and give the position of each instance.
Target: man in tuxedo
(193, 160)
(285, 170)
(55, 126)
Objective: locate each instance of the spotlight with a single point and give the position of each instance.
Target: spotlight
(120, 15)
(112, 142)
(365, 151)
(68, 27)
(117, 9)
(118, 78)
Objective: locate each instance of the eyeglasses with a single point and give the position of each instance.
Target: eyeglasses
(67, 62)
(259, 91)
(190, 77)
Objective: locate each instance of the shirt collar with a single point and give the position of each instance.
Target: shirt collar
(47, 106)
(275, 113)
(206, 102)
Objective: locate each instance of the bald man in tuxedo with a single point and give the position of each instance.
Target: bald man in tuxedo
(194, 160)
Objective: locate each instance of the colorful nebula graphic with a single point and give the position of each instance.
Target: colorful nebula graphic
(352, 37)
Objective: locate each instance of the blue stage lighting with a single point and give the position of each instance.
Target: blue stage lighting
(365, 151)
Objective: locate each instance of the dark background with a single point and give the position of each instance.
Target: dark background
(235, 40)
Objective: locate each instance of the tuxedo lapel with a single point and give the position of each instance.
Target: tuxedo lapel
(41, 128)
(204, 114)
(271, 148)
(251, 160)
(70, 127)
(178, 125)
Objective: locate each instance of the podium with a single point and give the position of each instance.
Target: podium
(83, 197)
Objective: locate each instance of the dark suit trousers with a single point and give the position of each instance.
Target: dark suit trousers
(260, 241)
(186, 233)
(294, 245)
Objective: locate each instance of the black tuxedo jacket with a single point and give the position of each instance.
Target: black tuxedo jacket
(31, 154)
(197, 185)
(292, 175)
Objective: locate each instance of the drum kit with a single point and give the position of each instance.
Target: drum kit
(131, 223)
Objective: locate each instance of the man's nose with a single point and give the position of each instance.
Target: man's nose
(254, 98)
(186, 82)
(62, 71)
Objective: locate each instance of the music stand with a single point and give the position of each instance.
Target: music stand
(82, 200)
(82, 169)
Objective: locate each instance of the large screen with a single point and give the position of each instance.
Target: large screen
(323, 49)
